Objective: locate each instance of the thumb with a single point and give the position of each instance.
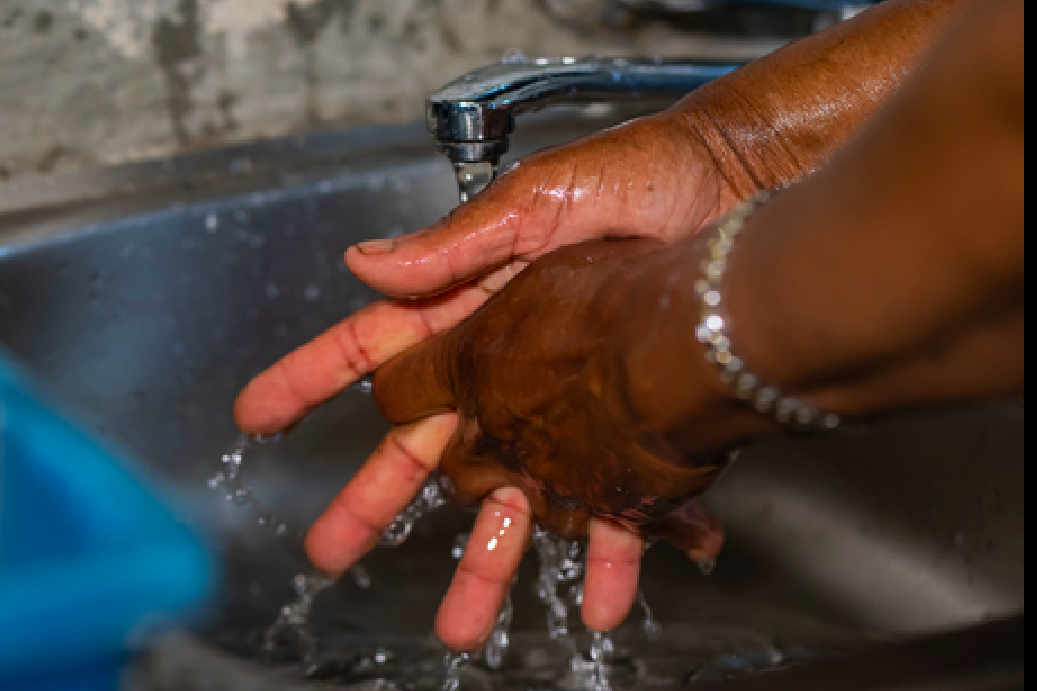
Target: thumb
(541, 205)
(501, 223)
(560, 196)
(418, 382)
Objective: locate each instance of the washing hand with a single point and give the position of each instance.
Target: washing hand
(439, 276)
(663, 177)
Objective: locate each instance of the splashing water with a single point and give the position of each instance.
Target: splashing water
(292, 625)
(454, 665)
(649, 625)
(499, 639)
(229, 478)
(593, 673)
(559, 583)
(559, 587)
(428, 498)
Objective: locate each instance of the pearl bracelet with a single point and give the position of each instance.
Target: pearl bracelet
(712, 332)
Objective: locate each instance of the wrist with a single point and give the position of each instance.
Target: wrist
(783, 116)
(749, 153)
(669, 384)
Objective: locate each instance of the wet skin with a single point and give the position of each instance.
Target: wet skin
(546, 424)
(537, 377)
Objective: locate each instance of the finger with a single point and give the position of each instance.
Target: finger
(474, 239)
(383, 486)
(485, 573)
(613, 563)
(318, 370)
(694, 530)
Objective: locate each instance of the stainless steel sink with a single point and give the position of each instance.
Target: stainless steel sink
(147, 296)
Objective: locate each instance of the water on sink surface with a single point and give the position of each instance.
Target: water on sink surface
(560, 657)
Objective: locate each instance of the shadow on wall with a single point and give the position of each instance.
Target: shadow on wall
(90, 82)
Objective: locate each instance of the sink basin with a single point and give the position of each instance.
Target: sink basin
(147, 296)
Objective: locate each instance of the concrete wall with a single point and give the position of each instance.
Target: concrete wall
(88, 82)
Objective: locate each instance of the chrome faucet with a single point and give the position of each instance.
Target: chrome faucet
(473, 116)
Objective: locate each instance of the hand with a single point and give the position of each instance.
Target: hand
(538, 379)
(661, 177)
(650, 175)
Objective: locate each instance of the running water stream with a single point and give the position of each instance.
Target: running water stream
(559, 585)
(574, 659)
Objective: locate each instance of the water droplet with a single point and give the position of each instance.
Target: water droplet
(454, 664)
(500, 639)
(649, 625)
(427, 499)
(211, 223)
(363, 385)
(561, 567)
(360, 576)
(513, 56)
(312, 292)
(293, 623)
(242, 496)
(460, 542)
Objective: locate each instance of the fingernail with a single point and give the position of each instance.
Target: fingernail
(381, 246)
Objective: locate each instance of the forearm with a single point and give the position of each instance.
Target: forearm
(784, 115)
(895, 277)
(891, 278)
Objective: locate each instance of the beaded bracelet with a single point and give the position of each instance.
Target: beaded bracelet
(712, 332)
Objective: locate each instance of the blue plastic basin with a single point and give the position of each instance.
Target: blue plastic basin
(91, 561)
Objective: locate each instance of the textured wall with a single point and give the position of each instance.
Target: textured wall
(86, 82)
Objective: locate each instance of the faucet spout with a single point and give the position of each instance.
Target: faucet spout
(473, 116)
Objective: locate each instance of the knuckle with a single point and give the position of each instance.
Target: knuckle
(352, 351)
